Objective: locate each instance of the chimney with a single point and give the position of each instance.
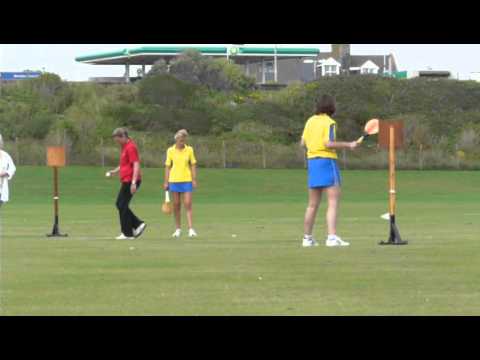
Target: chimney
(340, 50)
(341, 53)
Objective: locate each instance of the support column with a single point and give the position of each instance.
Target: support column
(275, 66)
(143, 70)
(127, 73)
(263, 71)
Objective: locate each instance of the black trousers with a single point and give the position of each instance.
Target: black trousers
(128, 220)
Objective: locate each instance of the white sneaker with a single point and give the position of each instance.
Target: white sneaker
(192, 233)
(123, 237)
(336, 242)
(309, 242)
(138, 231)
(177, 233)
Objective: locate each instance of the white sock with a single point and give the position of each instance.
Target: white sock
(332, 237)
(309, 237)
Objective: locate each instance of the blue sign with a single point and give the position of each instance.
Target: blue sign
(11, 76)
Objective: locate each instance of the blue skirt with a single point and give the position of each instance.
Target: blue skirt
(180, 187)
(323, 172)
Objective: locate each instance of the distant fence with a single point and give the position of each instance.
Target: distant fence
(237, 154)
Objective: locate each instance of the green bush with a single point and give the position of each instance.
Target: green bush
(166, 90)
(216, 102)
(213, 74)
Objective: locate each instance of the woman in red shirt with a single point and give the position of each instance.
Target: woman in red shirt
(130, 177)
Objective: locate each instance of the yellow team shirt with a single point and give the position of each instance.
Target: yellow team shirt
(319, 129)
(179, 161)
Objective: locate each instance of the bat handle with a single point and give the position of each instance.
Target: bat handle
(167, 196)
(361, 138)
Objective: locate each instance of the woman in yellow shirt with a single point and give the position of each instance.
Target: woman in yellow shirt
(319, 138)
(181, 178)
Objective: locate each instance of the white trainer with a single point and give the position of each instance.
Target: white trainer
(192, 233)
(123, 237)
(336, 242)
(309, 242)
(177, 233)
(138, 231)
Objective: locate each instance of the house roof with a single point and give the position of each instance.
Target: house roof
(370, 64)
(330, 61)
(359, 60)
(356, 61)
(380, 60)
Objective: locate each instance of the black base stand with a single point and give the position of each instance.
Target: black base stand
(395, 238)
(56, 230)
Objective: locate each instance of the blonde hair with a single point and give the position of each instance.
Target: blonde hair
(181, 134)
(120, 132)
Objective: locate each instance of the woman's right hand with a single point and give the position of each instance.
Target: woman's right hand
(353, 145)
(165, 186)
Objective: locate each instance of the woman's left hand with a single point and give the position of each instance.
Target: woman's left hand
(194, 183)
(133, 188)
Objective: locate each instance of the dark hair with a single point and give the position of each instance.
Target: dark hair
(326, 105)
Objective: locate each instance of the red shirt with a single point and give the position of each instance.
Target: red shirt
(127, 158)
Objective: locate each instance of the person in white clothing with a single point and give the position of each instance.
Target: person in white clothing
(7, 170)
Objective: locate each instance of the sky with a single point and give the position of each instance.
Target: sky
(460, 59)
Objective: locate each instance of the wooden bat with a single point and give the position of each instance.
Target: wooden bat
(167, 207)
(371, 128)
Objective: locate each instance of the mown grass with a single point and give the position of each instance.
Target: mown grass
(247, 259)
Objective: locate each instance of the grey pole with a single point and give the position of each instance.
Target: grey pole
(263, 71)
(127, 68)
(127, 73)
(275, 65)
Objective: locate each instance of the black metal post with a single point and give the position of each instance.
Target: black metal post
(56, 229)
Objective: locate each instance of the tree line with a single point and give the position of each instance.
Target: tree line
(213, 98)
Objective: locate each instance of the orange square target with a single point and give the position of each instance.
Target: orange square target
(384, 133)
(56, 156)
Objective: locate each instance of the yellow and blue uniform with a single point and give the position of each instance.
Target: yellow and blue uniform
(323, 169)
(319, 129)
(179, 161)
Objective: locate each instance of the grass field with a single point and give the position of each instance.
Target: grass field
(260, 271)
